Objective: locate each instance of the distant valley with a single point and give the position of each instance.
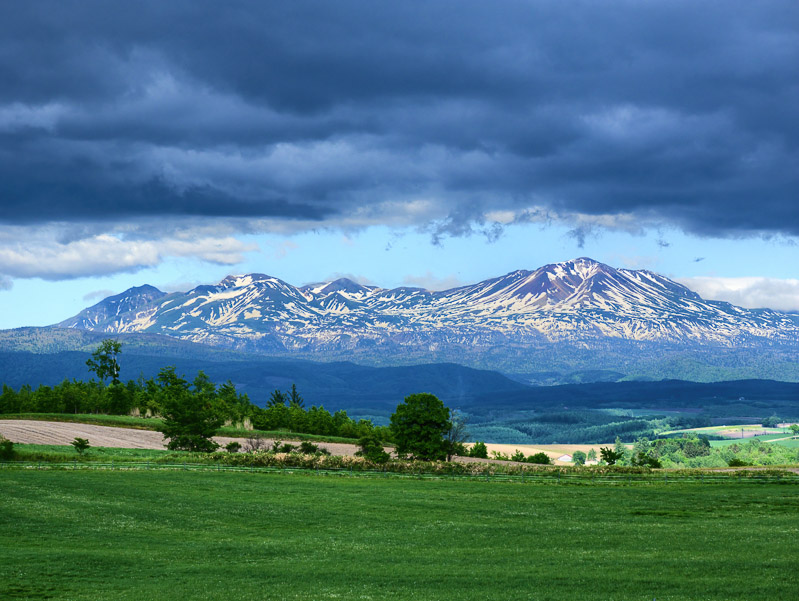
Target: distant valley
(500, 409)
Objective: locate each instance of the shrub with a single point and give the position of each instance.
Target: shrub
(6, 448)
(517, 456)
(479, 450)
(195, 443)
(737, 462)
(610, 456)
(371, 449)
(256, 442)
(233, 447)
(80, 444)
(644, 460)
(277, 446)
(459, 449)
(579, 458)
(309, 448)
(539, 458)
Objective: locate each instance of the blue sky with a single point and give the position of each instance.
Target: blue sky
(727, 269)
(414, 143)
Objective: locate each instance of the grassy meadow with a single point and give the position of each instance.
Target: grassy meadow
(62, 453)
(85, 535)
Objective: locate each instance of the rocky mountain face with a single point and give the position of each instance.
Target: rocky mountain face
(499, 323)
(130, 301)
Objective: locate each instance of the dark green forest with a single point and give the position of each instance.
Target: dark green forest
(149, 397)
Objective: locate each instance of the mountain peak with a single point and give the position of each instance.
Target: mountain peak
(144, 293)
(344, 285)
(130, 301)
(581, 301)
(341, 285)
(247, 279)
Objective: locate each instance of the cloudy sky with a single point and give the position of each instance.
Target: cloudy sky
(398, 143)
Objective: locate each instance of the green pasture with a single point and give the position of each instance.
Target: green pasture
(781, 439)
(791, 442)
(85, 535)
(51, 452)
(736, 428)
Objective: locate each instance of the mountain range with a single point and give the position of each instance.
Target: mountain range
(579, 316)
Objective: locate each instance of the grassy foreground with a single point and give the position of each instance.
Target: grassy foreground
(174, 535)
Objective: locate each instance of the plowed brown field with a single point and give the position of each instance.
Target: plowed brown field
(62, 433)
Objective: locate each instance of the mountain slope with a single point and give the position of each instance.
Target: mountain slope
(494, 323)
(105, 313)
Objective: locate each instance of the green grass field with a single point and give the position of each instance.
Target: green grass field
(734, 429)
(51, 452)
(82, 535)
(781, 439)
(791, 442)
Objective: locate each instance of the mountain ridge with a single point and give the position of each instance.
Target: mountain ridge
(577, 303)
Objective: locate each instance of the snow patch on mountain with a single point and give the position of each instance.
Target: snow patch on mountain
(581, 301)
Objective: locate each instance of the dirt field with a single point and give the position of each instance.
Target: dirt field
(61, 433)
(746, 431)
(553, 451)
(737, 431)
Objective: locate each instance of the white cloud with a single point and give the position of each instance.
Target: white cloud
(749, 292)
(281, 249)
(98, 294)
(42, 253)
(428, 281)
(358, 279)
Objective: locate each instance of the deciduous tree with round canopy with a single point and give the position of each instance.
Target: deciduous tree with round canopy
(419, 426)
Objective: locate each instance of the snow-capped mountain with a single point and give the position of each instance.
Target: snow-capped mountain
(130, 301)
(580, 302)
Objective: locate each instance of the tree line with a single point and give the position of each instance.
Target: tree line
(691, 450)
(192, 412)
(170, 394)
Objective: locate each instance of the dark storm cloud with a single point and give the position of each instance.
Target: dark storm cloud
(669, 112)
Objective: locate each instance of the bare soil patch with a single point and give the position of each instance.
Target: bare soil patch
(553, 451)
(63, 433)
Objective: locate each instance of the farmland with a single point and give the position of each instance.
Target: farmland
(740, 433)
(53, 433)
(133, 535)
